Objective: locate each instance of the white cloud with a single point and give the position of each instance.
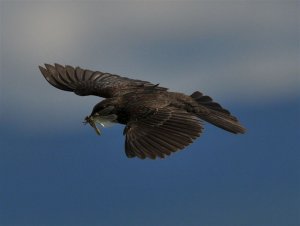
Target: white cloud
(238, 49)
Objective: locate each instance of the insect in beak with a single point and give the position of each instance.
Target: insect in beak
(90, 120)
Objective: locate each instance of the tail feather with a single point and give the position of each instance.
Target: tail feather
(217, 115)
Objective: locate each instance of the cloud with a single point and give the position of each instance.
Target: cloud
(229, 49)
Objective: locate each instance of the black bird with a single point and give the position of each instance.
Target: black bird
(158, 122)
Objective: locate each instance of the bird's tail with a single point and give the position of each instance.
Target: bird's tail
(217, 115)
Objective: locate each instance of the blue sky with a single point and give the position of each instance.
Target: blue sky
(55, 171)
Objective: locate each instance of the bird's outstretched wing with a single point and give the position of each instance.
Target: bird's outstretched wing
(85, 82)
(164, 131)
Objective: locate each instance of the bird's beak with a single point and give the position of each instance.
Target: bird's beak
(90, 120)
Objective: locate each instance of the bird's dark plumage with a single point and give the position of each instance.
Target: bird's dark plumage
(86, 82)
(158, 122)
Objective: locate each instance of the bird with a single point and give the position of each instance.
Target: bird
(157, 121)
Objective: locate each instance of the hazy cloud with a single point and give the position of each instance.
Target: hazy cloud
(246, 51)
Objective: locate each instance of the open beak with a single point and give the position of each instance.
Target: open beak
(90, 120)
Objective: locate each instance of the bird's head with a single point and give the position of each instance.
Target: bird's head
(101, 115)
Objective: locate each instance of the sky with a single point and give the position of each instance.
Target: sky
(244, 54)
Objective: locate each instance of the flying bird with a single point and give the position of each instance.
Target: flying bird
(157, 122)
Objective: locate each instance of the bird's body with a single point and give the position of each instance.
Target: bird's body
(158, 122)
